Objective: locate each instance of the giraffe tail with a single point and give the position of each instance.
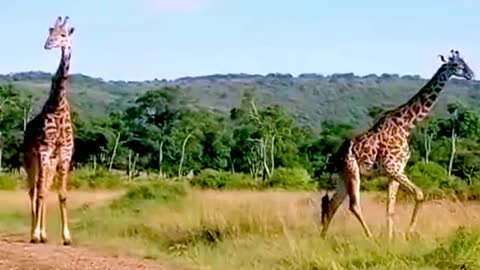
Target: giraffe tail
(343, 151)
(325, 201)
(341, 154)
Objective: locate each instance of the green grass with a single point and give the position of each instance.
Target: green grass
(170, 222)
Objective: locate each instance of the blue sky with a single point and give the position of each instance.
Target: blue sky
(147, 39)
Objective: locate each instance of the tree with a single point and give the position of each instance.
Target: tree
(428, 131)
(9, 121)
(318, 151)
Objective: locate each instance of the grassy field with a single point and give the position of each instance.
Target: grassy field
(254, 230)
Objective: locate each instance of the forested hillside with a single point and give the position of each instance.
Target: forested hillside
(310, 98)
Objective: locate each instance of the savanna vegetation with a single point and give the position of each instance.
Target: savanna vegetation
(222, 170)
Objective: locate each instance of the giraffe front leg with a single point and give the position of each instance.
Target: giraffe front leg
(41, 185)
(419, 198)
(62, 199)
(392, 196)
(52, 170)
(33, 208)
(39, 206)
(31, 163)
(43, 225)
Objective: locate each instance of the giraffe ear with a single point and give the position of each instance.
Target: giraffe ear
(70, 32)
(442, 58)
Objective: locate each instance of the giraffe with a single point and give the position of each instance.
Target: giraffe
(48, 141)
(385, 146)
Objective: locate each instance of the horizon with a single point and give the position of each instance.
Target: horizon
(225, 74)
(171, 39)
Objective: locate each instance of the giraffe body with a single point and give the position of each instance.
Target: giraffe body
(386, 146)
(48, 141)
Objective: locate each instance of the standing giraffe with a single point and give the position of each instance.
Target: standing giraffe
(48, 140)
(386, 145)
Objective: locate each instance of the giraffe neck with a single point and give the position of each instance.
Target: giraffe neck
(58, 91)
(420, 105)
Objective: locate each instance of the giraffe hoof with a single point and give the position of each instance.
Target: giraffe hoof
(67, 242)
(35, 241)
(412, 236)
(44, 240)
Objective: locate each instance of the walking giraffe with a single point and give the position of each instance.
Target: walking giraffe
(386, 145)
(48, 140)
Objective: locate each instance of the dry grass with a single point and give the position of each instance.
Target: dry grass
(262, 230)
(19, 200)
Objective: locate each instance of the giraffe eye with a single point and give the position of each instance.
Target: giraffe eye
(63, 35)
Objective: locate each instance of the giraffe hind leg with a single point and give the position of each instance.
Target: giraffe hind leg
(31, 165)
(349, 184)
(330, 208)
(352, 182)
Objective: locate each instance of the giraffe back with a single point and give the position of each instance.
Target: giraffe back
(386, 141)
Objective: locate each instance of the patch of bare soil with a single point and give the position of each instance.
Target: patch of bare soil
(16, 253)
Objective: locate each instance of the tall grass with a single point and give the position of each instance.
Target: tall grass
(259, 229)
(274, 230)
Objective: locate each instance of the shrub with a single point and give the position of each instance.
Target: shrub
(213, 179)
(210, 178)
(379, 183)
(8, 182)
(429, 176)
(162, 192)
(101, 178)
(292, 179)
(242, 181)
(461, 253)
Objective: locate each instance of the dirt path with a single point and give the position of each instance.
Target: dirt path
(15, 253)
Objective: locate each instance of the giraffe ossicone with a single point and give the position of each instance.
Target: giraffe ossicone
(386, 145)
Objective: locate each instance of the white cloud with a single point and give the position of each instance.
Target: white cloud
(166, 6)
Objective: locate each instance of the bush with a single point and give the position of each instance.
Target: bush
(162, 192)
(291, 179)
(461, 252)
(242, 181)
(210, 178)
(8, 182)
(101, 178)
(213, 179)
(379, 183)
(429, 176)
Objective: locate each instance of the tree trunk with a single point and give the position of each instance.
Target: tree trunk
(160, 159)
(232, 166)
(132, 166)
(94, 163)
(452, 154)
(266, 170)
(183, 154)
(1, 152)
(26, 116)
(428, 146)
(129, 165)
(117, 141)
(272, 155)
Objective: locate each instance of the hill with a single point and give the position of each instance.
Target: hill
(311, 98)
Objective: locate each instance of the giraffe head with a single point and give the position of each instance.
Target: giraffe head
(457, 65)
(59, 34)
